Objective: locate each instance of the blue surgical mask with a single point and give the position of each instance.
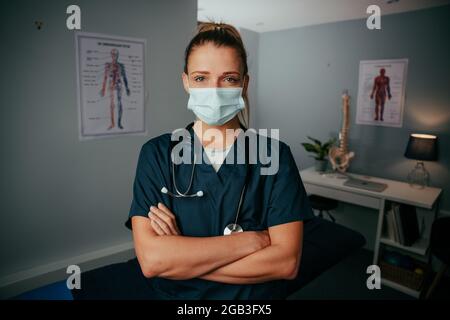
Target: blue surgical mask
(215, 106)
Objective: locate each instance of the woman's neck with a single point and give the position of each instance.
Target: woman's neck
(217, 136)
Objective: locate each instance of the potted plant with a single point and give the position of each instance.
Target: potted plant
(320, 150)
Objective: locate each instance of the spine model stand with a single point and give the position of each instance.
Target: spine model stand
(340, 156)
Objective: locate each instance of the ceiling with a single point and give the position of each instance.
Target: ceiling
(271, 15)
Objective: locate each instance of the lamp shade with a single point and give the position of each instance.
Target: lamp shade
(422, 147)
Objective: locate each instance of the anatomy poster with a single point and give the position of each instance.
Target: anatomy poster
(111, 88)
(381, 92)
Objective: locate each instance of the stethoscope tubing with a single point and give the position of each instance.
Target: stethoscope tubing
(199, 193)
(184, 194)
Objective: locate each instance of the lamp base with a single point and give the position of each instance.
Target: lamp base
(419, 176)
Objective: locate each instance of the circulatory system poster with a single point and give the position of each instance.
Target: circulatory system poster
(110, 85)
(381, 92)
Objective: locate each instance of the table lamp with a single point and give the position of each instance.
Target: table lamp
(421, 147)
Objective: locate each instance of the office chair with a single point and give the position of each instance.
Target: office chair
(439, 247)
(322, 204)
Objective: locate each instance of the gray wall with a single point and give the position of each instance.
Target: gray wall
(61, 197)
(303, 71)
(251, 43)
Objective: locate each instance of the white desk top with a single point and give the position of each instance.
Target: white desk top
(396, 191)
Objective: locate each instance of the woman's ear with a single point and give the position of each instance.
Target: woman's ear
(185, 79)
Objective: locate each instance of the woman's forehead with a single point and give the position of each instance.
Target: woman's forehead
(214, 59)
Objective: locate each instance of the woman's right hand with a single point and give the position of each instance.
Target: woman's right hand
(163, 221)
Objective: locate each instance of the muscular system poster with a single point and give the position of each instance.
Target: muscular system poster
(381, 92)
(111, 89)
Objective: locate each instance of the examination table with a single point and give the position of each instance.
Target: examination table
(325, 245)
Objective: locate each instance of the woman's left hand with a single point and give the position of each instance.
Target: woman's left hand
(163, 221)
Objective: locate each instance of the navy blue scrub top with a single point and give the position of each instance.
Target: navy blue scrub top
(269, 200)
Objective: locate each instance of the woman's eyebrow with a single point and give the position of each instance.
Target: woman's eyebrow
(225, 73)
(202, 72)
(232, 72)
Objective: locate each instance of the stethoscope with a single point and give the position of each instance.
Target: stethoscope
(230, 228)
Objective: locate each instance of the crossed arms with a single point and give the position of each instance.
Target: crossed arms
(242, 258)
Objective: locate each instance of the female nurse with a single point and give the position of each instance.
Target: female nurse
(180, 242)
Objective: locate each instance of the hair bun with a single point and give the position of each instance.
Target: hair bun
(208, 26)
(219, 26)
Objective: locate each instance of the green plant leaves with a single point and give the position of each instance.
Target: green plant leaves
(318, 148)
(315, 141)
(309, 147)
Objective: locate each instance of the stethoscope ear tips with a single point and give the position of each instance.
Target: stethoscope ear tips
(200, 193)
(164, 190)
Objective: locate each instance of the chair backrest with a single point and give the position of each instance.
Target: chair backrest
(440, 239)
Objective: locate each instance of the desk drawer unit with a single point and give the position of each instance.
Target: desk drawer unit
(344, 196)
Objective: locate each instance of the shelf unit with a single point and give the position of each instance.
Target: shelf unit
(418, 251)
(401, 288)
(420, 247)
(331, 185)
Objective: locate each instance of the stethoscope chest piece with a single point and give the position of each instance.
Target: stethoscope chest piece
(232, 228)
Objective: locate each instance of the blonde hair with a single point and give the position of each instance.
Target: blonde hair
(222, 34)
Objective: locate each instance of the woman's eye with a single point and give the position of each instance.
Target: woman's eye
(231, 79)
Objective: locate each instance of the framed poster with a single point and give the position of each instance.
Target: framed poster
(110, 85)
(381, 92)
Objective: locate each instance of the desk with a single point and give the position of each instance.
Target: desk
(332, 186)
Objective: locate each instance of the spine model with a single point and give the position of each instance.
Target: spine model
(340, 156)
